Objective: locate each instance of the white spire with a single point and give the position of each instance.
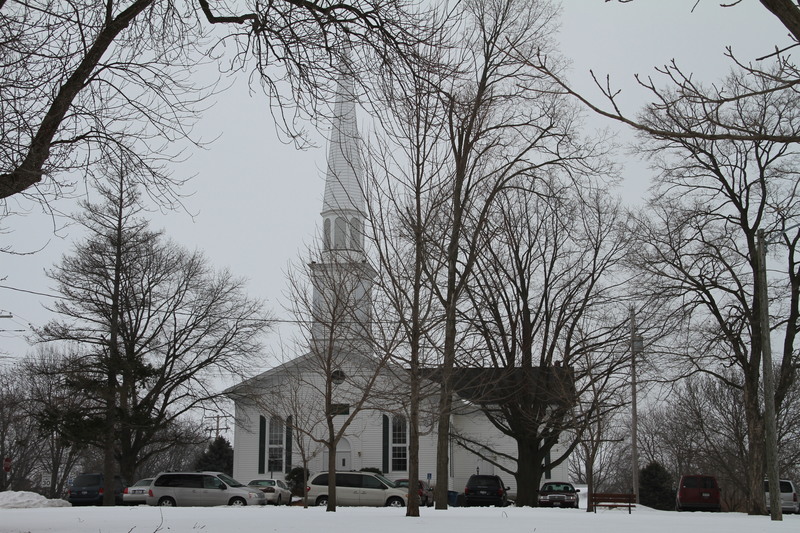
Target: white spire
(343, 190)
(343, 206)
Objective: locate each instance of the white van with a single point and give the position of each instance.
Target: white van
(789, 500)
(358, 488)
(171, 489)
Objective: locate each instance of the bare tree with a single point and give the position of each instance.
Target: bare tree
(84, 80)
(546, 305)
(324, 390)
(502, 126)
(405, 168)
(698, 250)
(19, 438)
(601, 455)
(703, 430)
(155, 326)
(41, 459)
(49, 394)
(774, 72)
(186, 439)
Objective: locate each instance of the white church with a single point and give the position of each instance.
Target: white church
(279, 414)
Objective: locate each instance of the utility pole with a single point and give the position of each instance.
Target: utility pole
(771, 438)
(636, 348)
(217, 430)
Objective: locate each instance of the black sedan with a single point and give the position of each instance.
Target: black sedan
(559, 494)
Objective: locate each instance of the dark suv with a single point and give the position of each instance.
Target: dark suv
(485, 490)
(698, 493)
(87, 489)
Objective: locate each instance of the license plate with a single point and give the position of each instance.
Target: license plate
(483, 492)
(705, 494)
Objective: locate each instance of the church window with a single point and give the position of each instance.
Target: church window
(399, 444)
(340, 235)
(326, 234)
(275, 448)
(340, 409)
(356, 230)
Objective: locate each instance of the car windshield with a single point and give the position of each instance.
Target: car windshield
(483, 481)
(558, 487)
(143, 482)
(229, 481)
(784, 485)
(389, 483)
(401, 483)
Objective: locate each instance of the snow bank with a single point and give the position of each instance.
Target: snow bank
(25, 500)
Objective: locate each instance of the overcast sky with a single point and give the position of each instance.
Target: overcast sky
(257, 200)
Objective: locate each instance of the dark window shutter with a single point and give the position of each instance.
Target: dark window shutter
(262, 444)
(386, 435)
(547, 473)
(287, 464)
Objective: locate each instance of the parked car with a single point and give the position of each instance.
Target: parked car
(485, 490)
(789, 501)
(358, 488)
(276, 490)
(137, 493)
(698, 493)
(87, 489)
(425, 491)
(172, 489)
(559, 494)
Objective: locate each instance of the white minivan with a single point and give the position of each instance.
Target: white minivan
(183, 489)
(358, 488)
(789, 500)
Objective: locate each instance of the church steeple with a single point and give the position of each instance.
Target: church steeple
(343, 209)
(342, 277)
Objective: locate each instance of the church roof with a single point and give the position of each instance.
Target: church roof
(496, 386)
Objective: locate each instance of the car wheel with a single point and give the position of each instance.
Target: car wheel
(166, 501)
(239, 502)
(395, 502)
(322, 500)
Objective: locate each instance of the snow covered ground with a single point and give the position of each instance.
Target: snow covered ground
(24, 512)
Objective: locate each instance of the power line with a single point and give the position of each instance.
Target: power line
(32, 292)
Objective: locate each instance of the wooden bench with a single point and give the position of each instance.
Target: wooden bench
(612, 500)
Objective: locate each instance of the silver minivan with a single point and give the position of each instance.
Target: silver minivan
(789, 500)
(358, 488)
(183, 489)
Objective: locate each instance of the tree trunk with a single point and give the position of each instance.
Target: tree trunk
(412, 508)
(529, 472)
(331, 508)
(754, 490)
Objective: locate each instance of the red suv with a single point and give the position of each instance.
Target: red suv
(425, 492)
(697, 493)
